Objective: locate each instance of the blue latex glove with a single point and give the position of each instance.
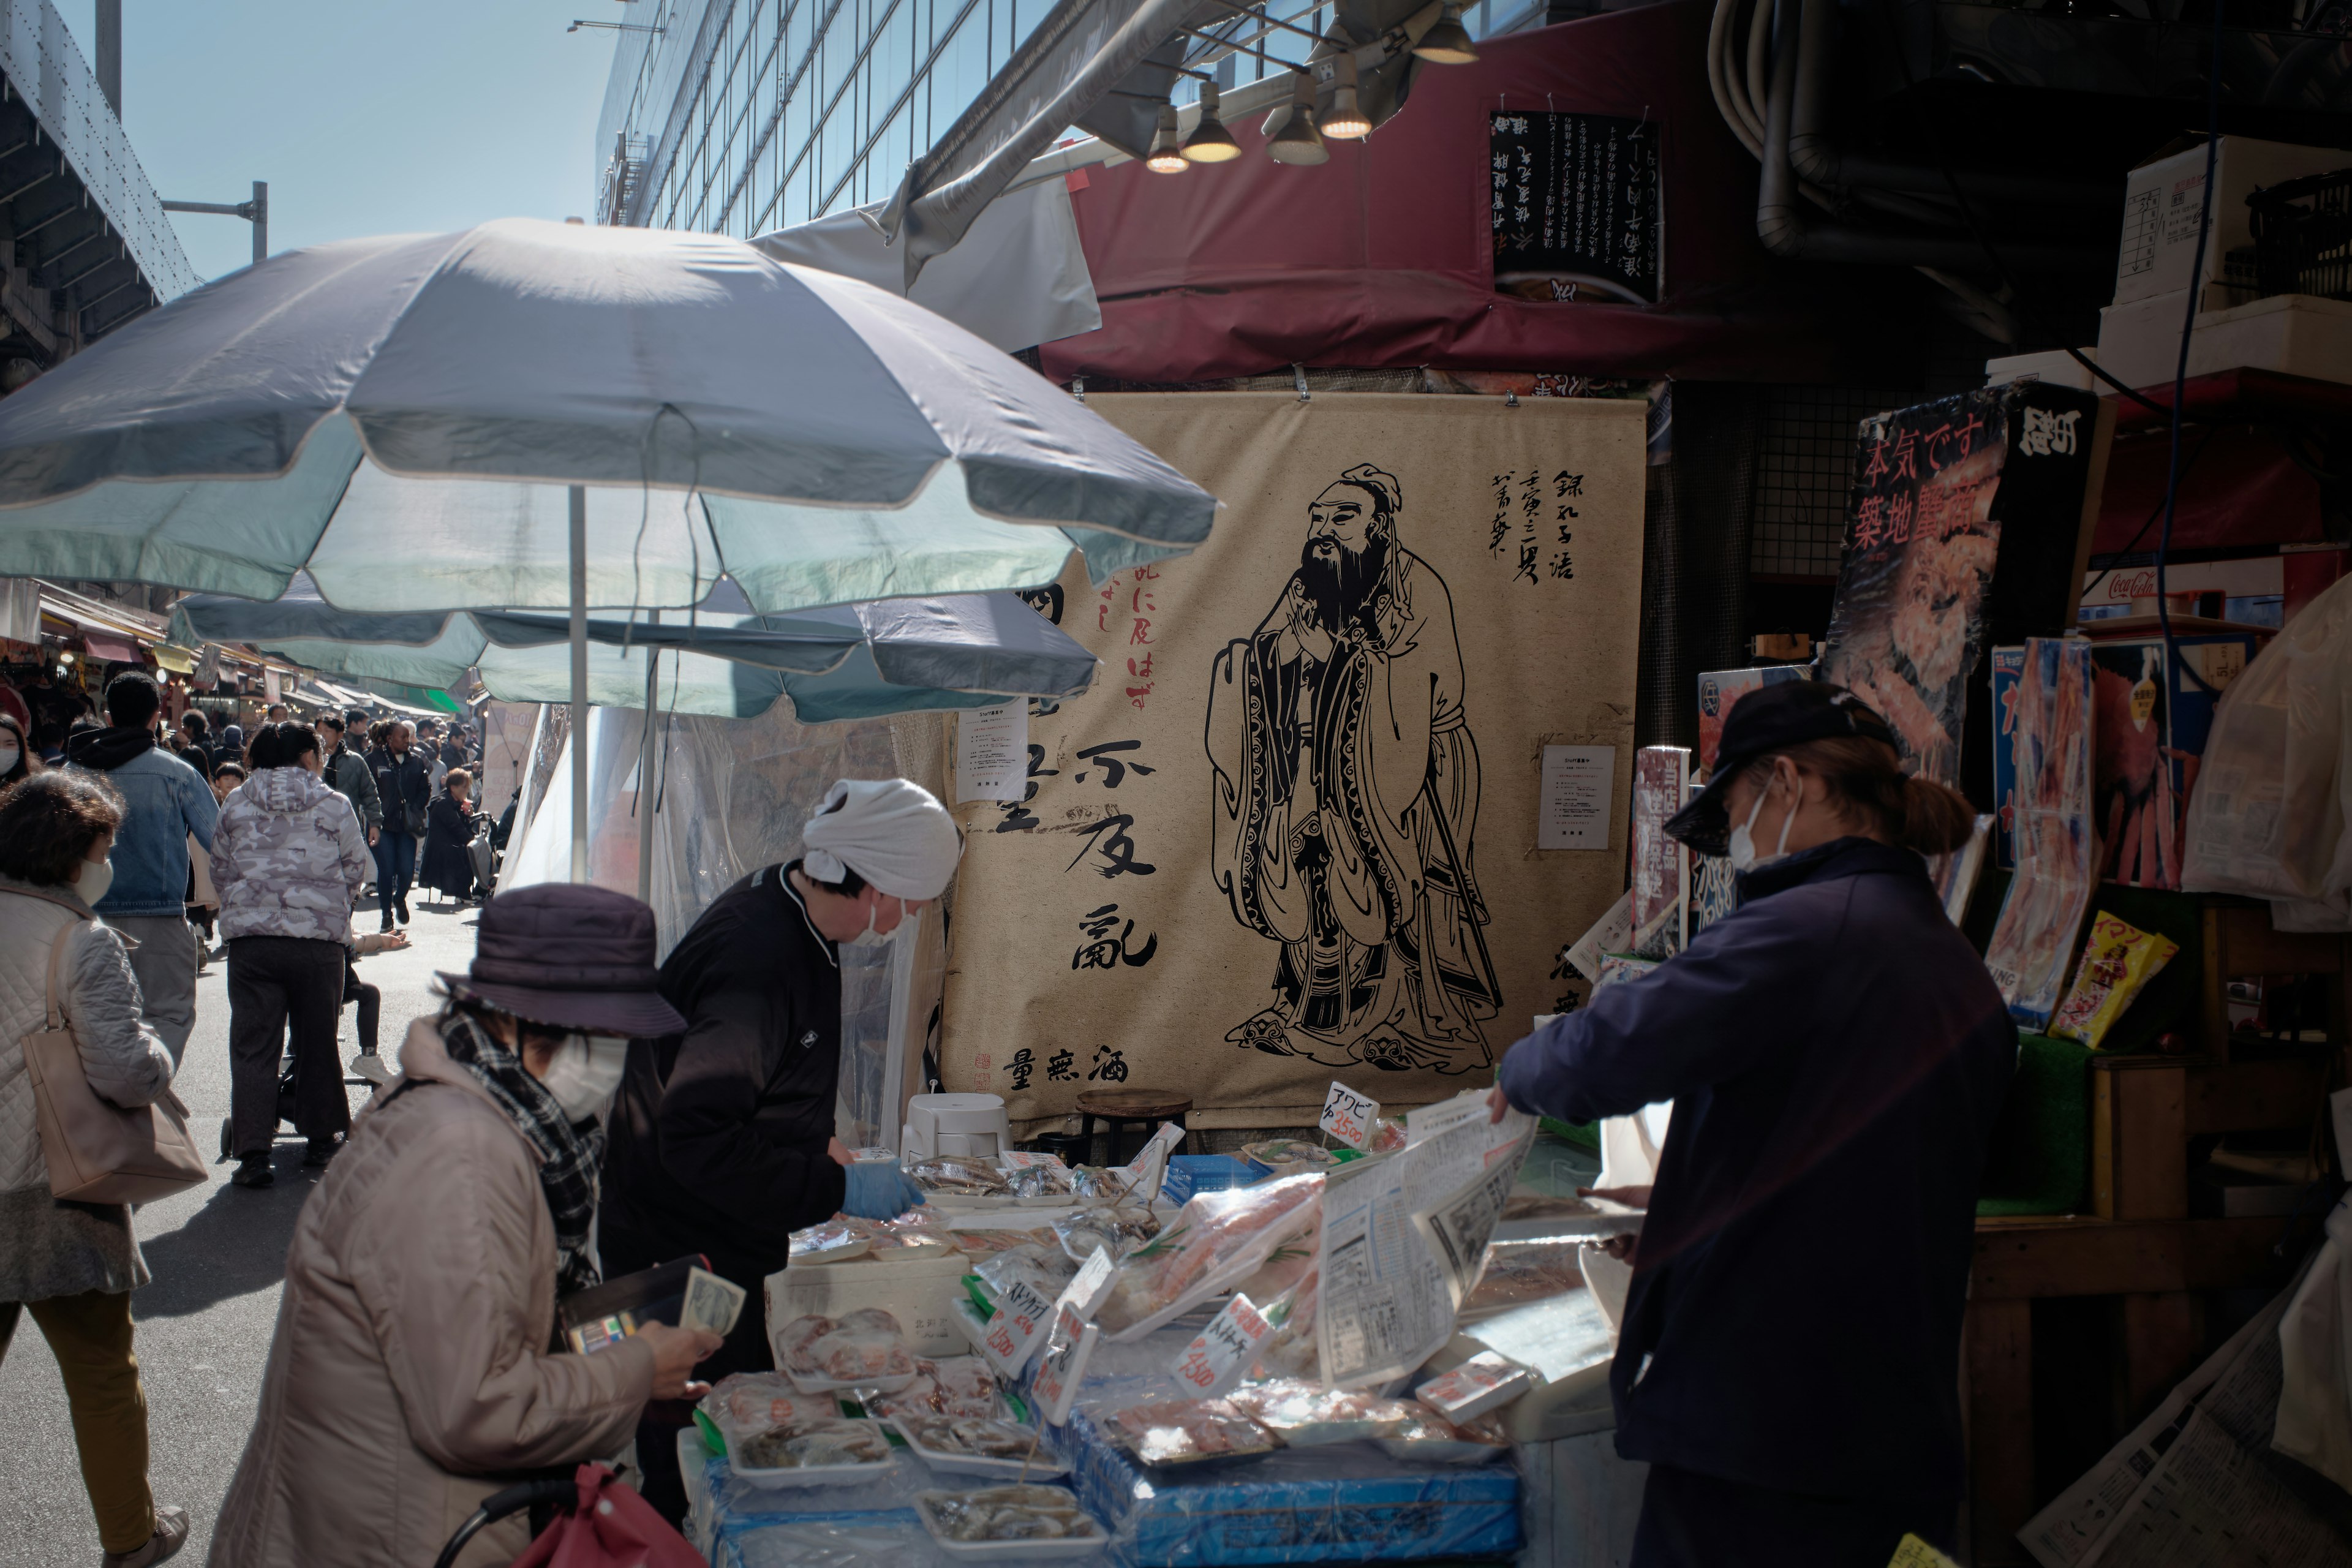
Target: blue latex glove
(874, 1190)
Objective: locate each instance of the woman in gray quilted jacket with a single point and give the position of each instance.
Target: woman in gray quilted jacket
(73, 1265)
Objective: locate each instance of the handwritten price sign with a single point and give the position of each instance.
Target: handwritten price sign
(1022, 1317)
(1349, 1116)
(1065, 1364)
(1221, 1353)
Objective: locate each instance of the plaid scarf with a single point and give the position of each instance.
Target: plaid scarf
(568, 1155)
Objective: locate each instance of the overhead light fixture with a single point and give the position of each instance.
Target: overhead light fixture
(1298, 142)
(1211, 142)
(1166, 156)
(1346, 120)
(1448, 42)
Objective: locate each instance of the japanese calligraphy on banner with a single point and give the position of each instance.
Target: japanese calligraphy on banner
(1575, 205)
(1961, 528)
(1293, 829)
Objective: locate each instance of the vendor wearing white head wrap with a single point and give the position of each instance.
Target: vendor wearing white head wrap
(721, 1139)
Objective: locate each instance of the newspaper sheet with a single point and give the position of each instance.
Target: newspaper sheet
(2197, 1486)
(1404, 1236)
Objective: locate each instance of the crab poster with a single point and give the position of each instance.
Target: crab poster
(1290, 834)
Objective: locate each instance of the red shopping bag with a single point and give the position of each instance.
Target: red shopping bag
(612, 1527)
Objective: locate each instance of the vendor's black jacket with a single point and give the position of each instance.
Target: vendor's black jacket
(718, 1135)
(1836, 1054)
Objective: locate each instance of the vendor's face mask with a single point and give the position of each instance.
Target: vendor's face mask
(869, 937)
(587, 1068)
(1743, 841)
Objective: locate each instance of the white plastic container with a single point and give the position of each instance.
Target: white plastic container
(955, 1124)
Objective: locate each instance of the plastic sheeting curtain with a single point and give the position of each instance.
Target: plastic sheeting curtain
(733, 795)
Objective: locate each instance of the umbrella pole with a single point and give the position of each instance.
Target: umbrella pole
(646, 791)
(579, 683)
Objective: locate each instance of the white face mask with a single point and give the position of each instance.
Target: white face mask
(1743, 842)
(9, 755)
(97, 876)
(869, 937)
(587, 1068)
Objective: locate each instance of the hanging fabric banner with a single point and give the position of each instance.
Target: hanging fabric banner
(1293, 829)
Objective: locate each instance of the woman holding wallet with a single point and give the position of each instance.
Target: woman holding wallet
(73, 1265)
(410, 1374)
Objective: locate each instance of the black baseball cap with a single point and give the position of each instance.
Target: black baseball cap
(1767, 719)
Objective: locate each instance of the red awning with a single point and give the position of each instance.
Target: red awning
(110, 649)
(1383, 256)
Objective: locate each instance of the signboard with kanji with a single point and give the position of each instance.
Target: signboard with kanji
(1577, 206)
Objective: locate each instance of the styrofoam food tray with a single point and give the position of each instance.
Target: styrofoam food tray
(807, 1385)
(812, 1475)
(948, 1462)
(1010, 1550)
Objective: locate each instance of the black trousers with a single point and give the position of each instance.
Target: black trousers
(275, 984)
(371, 1001)
(746, 1349)
(1690, 1521)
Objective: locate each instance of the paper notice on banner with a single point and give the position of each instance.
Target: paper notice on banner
(1573, 805)
(992, 753)
(1610, 934)
(1349, 1116)
(2196, 1483)
(1395, 1232)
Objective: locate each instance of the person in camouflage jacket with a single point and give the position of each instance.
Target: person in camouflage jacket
(288, 859)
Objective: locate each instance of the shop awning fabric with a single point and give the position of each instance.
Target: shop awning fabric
(1383, 256)
(110, 649)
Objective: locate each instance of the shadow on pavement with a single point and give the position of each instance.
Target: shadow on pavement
(234, 1246)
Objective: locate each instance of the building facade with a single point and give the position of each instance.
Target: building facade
(742, 116)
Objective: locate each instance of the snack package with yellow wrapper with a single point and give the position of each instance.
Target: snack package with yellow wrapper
(2118, 961)
(1914, 1552)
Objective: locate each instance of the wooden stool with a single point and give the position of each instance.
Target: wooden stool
(1120, 1107)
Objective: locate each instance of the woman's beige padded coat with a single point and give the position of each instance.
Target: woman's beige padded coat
(409, 1377)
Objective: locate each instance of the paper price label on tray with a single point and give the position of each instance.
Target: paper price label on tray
(1064, 1368)
(1022, 1316)
(1349, 1116)
(1086, 1289)
(1221, 1355)
(1024, 1160)
(1150, 1165)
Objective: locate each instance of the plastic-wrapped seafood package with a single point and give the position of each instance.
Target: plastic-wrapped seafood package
(910, 1236)
(829, 1445)
(982, 1243)
(1113, 1228)
(968, 1175)
(958, 1386)
(1304, 1414)
(1293, 1350)
(1104, 1184)
(1188, 1431)
(836, 1240)
(962, 1446)
(1519, 1272)
(1289, 1156)
(1016, 1517)
(865, 1349)
(1044, 1269)
(1215, 1242)
(750, 1403)
(1431, 1438)
(1046, 1178)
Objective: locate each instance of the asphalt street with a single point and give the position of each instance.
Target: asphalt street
(218, 1256)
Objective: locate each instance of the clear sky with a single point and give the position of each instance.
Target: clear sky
(365, 116)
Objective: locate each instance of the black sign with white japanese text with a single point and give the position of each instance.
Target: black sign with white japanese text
(1577, 206)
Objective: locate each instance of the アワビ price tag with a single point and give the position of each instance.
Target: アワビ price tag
(1349, 1116)
(1022, 1317)
(1221, 1355)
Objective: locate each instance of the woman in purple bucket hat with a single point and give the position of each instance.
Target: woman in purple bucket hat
(411, 1370)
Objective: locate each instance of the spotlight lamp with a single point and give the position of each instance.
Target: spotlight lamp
(1165, 157)
(1298, 142)
(1211, 142)
(1346, 120)
(1447, 42)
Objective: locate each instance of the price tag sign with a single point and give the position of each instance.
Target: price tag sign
(1349, 1116)
(1024, 1160)
(1149, 1166)
(1067, 1350)
(1221, 1355)
(1086, 1289)
(1022, 1317)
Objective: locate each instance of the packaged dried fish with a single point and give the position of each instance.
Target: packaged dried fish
(1053, 1181)
(1044, 1270)
(1188, 1431)
(833, 1241)
(966, 1174)
(1218, 1240)
(1013, 1514)
(1304, 1414)
(985, 1439)
(827, 1445)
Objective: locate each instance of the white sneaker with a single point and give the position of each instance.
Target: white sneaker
(371, 1065)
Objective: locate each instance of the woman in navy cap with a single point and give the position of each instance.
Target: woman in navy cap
(1836, 1055)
